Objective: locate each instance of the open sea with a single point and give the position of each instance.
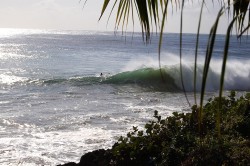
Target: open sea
(55, 105)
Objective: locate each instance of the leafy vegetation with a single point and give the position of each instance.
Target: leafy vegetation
(176, 140)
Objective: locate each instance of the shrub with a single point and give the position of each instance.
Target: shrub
(177, 140)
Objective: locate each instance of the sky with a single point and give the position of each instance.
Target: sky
(70, 15)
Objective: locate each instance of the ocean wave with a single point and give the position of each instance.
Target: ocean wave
(149, 77)
(168, 78)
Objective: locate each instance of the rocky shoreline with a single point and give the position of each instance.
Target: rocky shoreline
(99, 157)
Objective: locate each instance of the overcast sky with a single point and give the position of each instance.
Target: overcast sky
(70, 15)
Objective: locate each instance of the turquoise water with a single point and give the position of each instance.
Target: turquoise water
(55, 105)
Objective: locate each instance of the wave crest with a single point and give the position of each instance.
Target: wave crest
(168, 78)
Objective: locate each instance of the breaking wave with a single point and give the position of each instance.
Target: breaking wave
(237, 77)
(168, 78)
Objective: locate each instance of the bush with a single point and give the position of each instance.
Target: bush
(177, 140)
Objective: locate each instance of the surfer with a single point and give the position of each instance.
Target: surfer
(102, 75)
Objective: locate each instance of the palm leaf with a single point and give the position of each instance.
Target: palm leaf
(240, 10)
(181, 72)
(196, 51)
(223, 70)
(208, 58)
(160, 40)
(105, 4)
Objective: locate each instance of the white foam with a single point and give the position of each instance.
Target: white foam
(152, 62)
(38, 147)
(237, 76)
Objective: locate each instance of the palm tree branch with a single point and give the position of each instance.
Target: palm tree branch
(181, 72)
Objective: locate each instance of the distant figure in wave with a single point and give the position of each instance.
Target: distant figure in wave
(104, 76)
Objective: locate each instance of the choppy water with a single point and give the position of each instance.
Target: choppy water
(55, 106)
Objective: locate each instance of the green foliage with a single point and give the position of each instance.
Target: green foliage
(176, 140)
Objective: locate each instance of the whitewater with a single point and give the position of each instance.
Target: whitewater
(55, 106)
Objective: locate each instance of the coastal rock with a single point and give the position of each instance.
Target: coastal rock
(99, 157)
(69, 164)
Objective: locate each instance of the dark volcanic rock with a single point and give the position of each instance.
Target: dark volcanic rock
(99, 157)
(70, 164)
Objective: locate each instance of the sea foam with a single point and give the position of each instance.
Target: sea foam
(237, 76)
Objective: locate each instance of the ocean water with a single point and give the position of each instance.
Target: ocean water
(55, 105)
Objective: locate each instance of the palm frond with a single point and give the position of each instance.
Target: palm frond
(208, 57)
(105, 4)
(196, 52)
(147, 11)
(223, 70)
(160, 40)
(240, 10)
(181, 72)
